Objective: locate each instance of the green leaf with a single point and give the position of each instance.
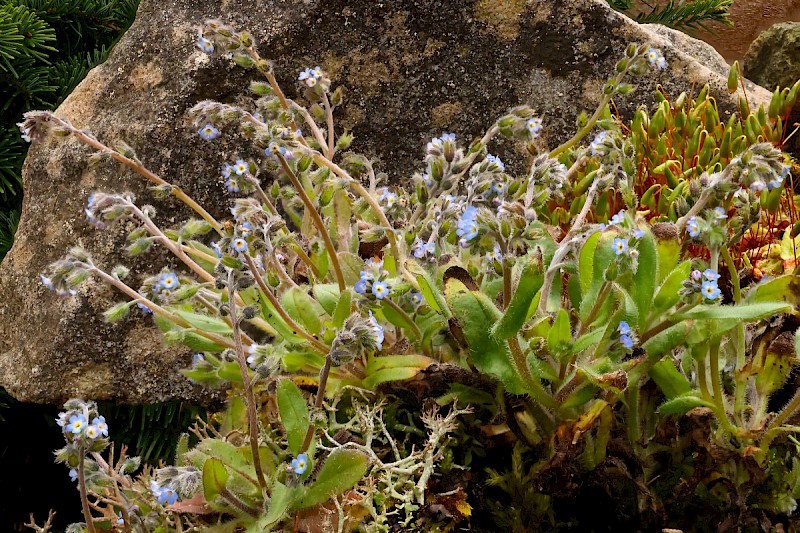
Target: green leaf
(666, 340)
(280, 500)
(215, 477)
(341, 471)
(602, 257)
(671, 382)
(327, 294)
(781, 289)
(386, 375)
(271, 316)
(669, 253)
(206, 323)
(303, 309)
(682, 404)
(476, 315)
(589, 339)
(644, 280)
(560, 335)
(396, 318)
(586, 261)
(352, 265)
(668, 294)
(530, 281)
(293, 409)
(744, 312)
(342, 309)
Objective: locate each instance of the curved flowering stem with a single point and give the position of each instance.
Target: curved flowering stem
(137, 167)
(296, 248)
(316, 344)
(318, 222)
(252, 416)
(564, 247)
(364, 193)
(154, 307)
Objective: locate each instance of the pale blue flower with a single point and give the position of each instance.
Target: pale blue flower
(239, 244)
(534, 126)
(710, 290)
(494, 255)
(416, 298)
(380, 290)
(168, 281)
(719, 213)
(217, 250)
(92, 432)
(360, 286)
(626, 341)
(693, 227)
(100, 423)
(638, 233)
(232, 185)
(656, 58)
(241, 167)
(208, 132)
(620, 246)
(300, 464)
(205, 45)
(710, 275)
(493, 159)
(77, 423)
(379, 334)
(597, 143)
(164, 495)
(388, 197)
(617, 219)
(624, 328)
(73, 474)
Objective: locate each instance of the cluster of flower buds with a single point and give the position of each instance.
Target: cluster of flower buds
(359, 335)
(705, 283)
(545, 182)
(64, 276)
(521, 123)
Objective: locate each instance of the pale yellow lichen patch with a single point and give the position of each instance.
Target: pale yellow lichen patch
(146, 76)
(94, 381)
(80, 105)
(442, 115)
(501, 16)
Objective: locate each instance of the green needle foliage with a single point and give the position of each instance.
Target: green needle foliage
(680, 15)
(46, 48)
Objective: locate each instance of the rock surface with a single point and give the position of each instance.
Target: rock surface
(774, 57)
(412, 69)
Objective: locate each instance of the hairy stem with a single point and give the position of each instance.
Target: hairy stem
(297, 328)
(318, 223)
(139, 168)
(323, 383)
(87, 514)
(563, 249)
(252, 417)
(532, 384)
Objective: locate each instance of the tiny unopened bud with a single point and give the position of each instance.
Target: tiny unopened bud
(250, 312)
